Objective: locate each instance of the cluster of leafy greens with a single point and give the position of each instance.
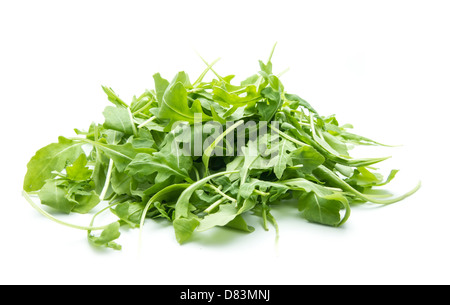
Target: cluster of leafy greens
(127, 165)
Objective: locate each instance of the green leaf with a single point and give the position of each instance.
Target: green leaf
(100, 171)
(323, 195)
(161, 85)
(270, 105)
(118, 119)
(113, 97)
(323, 147)
(247, 189)
(144, 140)
(283, 158)
(360, 140)
(162, 211)
(54, 194)
(53, 157)
(335, 143)
(143, 103)
(320, 210)
(165, 165)
(184, 227)
(365, 178)
(86, 202)
(266, 68)
(244, 96)
(174, 106)
(248, 204)
(130, 212)
(107, 237)
(238, 223)
(225, 214)
(307, 186)
(121, 182)
(308, 157)
(182, 205)
(251, 154)
(122, 155)
(297, 101)
(79, 171)
(113, 137)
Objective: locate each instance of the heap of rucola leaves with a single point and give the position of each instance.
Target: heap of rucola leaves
(129, 165)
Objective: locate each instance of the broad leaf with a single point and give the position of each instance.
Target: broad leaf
(53, 157)
(165, 165)
(79, 171)
(174, 106)
(54, 194)
(118, 119)
(184, 227)
(320, 210)
(107, 237)
(308, 157)
(225, 214)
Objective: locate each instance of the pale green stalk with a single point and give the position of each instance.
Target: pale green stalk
(51, 217)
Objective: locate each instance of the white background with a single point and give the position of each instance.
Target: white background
(383, 66)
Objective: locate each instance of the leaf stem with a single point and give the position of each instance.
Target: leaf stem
(135, 133)
(261, 193)
(98, 213)
(51, 217)
(210, 67)
(182, 205)
(145, 106)
(197, 174)
(200, 78)
(283, 72)
(152, 200)
(214, 205)
(108, 179)
(322, 170)
(288, 137)
(298, 166)
(264, 216)
(220, 192)
(275, 225)
(271, 53)
(146, 122)
(207, 154)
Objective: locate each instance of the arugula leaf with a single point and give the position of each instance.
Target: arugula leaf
(114, 98)
(308, 157)
(68, 196)
(118, 119)
(223, 96)
(248, 189)
(165, 165)
(321, 210)
(53, 157)
(121, 154)
(129, 212)
(54, 194)
(297, 101)
(79, 171)
(107, 237)
(161, 85)
(225, 214)
(238, 223)
(268, 107)
(184, 227)
(86, 201)
(283, 159)
(174, 104)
